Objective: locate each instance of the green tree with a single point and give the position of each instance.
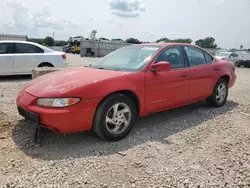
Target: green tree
(163, 40)
(189, 41)
(49, 41)
(61, 43)
(36, 40)
(132, 40)
(208, 42)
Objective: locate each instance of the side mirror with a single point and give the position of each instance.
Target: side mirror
(160, 66)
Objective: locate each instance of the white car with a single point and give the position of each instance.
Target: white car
(229, 56)
(104, 39)
(118, 41)
(75, 39)
(20, 57)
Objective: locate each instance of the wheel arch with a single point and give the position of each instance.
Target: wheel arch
(132, 95)
(45, 63)
(226, 77)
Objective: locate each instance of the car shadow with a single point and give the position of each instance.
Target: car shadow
(15, 78)
(156, 127)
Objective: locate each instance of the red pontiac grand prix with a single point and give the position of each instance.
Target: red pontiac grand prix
(131, 82)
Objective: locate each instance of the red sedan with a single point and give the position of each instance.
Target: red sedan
(128, 83)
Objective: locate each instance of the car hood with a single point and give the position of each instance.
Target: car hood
(221, 57)
(58, 83)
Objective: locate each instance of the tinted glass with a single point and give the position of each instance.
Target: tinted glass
(6, 48)
(195, 56)
(234, 55)
(27, 48)
(208, 57)
(127, 58)
(174, 56)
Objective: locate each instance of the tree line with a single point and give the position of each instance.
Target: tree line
(208, 42)
(48, 41)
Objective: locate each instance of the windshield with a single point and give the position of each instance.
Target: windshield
(131, 58)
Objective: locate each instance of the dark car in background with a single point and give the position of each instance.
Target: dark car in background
(243, 61)
(67, 49)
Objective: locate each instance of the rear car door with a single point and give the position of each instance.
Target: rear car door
(203, 72)
(6, 58)
(26, 57)
(167, 89)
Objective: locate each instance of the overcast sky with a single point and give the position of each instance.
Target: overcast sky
(228, 21)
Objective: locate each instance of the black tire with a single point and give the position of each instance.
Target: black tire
(45, 65)
(237, 64)
(212, 101)
(99, 123)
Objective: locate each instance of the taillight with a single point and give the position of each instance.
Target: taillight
(64, 56)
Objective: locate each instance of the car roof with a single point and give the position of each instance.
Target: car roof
(17, 41)
(166, 44)
(26, 42)
(225, 52)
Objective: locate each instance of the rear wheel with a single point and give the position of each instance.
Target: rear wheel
(45, 65)
(115, 117)
(220, 93)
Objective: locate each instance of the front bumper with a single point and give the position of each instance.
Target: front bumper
(34, 117)
(232, 80)
(61, 120)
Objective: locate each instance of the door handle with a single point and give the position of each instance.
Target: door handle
(184, 75)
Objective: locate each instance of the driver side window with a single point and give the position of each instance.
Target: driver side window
(174, 56)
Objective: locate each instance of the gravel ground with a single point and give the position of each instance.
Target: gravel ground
(192, 146)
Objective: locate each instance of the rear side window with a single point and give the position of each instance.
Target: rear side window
(208, 57)
(6, 48)
(27, 48)
(195, 56)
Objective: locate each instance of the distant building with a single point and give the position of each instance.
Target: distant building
(13, 37)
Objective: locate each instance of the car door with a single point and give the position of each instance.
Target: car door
(203, 72)
(168, 88)
(6, 58)
(26, 57)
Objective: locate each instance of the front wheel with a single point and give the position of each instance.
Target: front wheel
(237, 64)
(220, 93)
(115, 117)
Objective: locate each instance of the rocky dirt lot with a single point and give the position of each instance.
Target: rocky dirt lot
(193, 146)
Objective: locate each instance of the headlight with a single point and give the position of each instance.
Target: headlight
(57, 102)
